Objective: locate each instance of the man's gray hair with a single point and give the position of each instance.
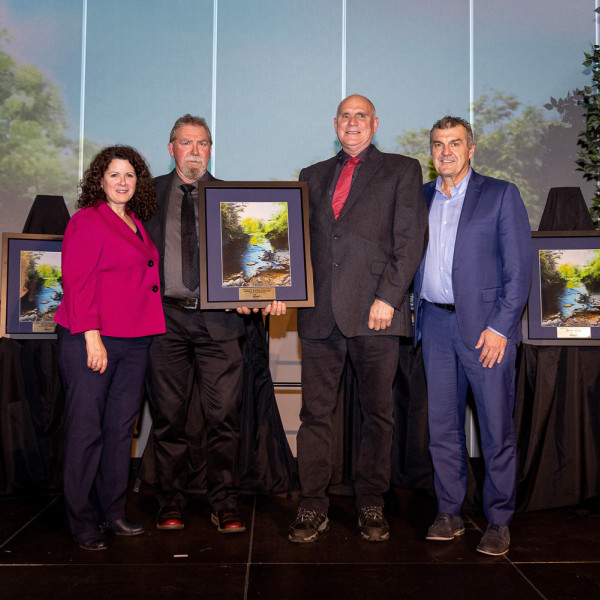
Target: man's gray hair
(189, 120)
(448, 122)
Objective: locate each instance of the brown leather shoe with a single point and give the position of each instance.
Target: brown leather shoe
(228, 520)
(170, 518)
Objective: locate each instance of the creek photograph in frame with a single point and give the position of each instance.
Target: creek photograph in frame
(31, 285)
(254, 244)
(564, 301)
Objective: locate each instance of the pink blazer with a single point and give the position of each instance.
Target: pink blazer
(110, 277)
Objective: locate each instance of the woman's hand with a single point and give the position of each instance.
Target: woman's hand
(97, 359)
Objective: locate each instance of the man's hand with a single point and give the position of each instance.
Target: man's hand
(380, 315)
(276, 308)
(492, 348)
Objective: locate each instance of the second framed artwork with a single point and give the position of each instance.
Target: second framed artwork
(31, 285)
(564, 302)
(255, 245)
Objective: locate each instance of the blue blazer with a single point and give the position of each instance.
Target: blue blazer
(491, 268)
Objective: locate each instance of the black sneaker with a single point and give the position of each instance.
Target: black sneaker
(308, 526)
(372, 524)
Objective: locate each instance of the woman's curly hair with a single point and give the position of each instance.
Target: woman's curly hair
(142, 204)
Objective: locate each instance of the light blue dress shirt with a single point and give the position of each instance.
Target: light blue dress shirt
(444, 214)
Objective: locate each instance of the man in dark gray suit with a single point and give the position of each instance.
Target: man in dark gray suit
(368, 222)
(198, 344)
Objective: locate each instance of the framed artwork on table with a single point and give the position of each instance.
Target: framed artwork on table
(254, 244)
(564, 301)
(31, 285)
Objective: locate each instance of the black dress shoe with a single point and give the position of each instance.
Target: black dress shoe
(169, 517)
(94, 542)
(228, 521)
(123, 527)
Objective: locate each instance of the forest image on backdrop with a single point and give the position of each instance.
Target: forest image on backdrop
(36, 155)
(528, 145)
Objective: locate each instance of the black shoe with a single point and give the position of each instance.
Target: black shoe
(228, 520)
(169, 517)
(445, 528)
(93, 542)
(123, 527)
(372, 524)
(308, 526)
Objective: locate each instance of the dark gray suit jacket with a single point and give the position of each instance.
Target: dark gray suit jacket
(371, 251)
(221, 325)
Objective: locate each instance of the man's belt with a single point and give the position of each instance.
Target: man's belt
(448, 307)
(189, 303)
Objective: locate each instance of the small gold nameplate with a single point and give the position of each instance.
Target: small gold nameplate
(573, 332)
(43, 327)
(257, 293)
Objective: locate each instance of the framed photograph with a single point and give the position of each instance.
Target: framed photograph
(31, 285)
(564, 302)
(255, 244)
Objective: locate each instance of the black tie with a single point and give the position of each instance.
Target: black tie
(190, 262)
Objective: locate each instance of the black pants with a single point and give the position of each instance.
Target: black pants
(186, 351)
(375, 360)
(101, 414)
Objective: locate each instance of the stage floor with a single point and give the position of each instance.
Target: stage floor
(554, 555)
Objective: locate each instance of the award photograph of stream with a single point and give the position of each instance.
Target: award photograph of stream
(255, 245)
(41, 286)
(570, 288)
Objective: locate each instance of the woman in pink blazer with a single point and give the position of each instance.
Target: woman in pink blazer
(110, 310)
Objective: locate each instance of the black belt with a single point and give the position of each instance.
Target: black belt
(448, 307)
(189, 303)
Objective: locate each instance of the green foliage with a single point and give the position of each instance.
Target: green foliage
(589, 139)
(508, 145)
(231, 225)
(590, 273)
(549, 271)
(276, 229)
(36, 157)
(50, 274)
(568, 271)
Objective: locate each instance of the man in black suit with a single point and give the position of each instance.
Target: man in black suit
(368, 223)
(198, 344)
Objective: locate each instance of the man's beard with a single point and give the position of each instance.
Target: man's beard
(193, 169)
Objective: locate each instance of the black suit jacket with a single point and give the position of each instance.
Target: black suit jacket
(221, 325)
(371, 251)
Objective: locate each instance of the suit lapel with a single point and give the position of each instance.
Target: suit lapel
(470, 203)
(163, 192)
(120, 228)
(324, 183)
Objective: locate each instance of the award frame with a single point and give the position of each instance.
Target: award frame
(31, 285)
(254, 244)
(574, 323)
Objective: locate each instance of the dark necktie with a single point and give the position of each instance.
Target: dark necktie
(190, 262)
(342, 188)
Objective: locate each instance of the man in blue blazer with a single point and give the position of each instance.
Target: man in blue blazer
(470, 291)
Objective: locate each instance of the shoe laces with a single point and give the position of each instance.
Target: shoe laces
(305, 514)
(371, 512)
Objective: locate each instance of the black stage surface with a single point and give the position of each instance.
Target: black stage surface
(554, 555)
